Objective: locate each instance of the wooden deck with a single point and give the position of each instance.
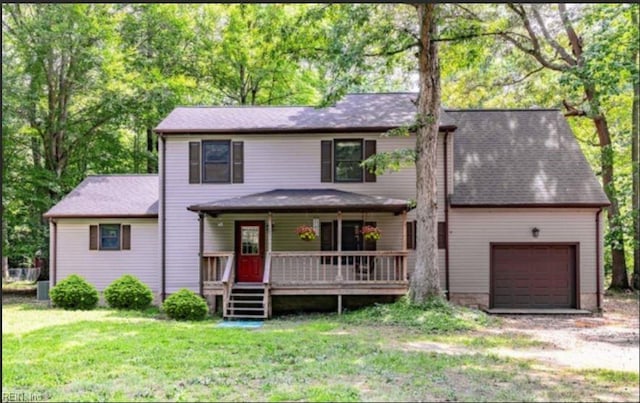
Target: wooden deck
(308, 273)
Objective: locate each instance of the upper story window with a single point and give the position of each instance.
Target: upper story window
(216, 161)
(347, 160)
(340, 160)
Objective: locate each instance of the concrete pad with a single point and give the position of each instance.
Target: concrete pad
(510, 311)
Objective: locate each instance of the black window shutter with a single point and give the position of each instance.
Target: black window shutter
(93, 237)
(411, 234)
(442, 235)
(126, 237)
(238, 161)
(326, 160)
(327, 239)
(326, 236)
(194, 162)
(370, 245)
(369, 150)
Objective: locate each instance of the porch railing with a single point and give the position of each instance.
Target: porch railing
(311, 267)
(214, 264)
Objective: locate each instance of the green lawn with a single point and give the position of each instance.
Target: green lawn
(109, 355)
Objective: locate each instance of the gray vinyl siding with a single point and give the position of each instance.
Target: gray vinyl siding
(101, 267)
(472, 230)
(270, 162)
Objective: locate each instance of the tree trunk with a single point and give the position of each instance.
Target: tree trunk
(635, 157)
(425, 281)
(151, 166)
(619, 277)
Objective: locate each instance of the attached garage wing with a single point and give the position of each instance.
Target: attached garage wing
(533, 276)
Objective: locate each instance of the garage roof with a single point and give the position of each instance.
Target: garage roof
(520, 158)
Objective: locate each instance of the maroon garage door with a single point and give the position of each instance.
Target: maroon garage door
(533, 276)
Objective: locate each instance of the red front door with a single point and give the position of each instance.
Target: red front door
(249, 251)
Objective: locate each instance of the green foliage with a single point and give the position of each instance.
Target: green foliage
(434, 316)
(128, 292)
(74, 292)
(185, 305)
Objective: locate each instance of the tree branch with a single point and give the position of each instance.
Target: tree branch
(576, 42)
(507, 83)
(554, 44)
(393, 52)
(572, 110)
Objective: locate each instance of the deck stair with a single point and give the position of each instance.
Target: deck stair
(246, 301)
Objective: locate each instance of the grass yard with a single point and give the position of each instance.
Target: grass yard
(368, 355)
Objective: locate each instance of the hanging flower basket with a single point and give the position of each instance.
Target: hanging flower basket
(306, 233)
(371, 233)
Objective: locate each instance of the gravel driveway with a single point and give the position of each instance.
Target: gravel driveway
(610, 341)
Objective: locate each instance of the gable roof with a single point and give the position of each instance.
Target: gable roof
(290, 200)
(110, 196)
(355, 112)
(520, 158)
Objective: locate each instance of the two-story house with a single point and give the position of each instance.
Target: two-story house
(519, 223)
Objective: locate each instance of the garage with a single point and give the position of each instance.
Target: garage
(533, 276)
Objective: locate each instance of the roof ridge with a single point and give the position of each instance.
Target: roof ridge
(384, 93)
(501, 109)
(243, 106)
(123, 174)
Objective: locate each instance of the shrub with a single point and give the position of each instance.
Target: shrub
(74, 292)
(185, 305)
(128, 292)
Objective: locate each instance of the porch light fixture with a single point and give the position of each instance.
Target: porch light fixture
(535, 231)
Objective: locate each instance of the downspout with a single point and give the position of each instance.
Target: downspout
(446, 216)
(598, 285)
(163, 214)
(54, 252)
(201, 251)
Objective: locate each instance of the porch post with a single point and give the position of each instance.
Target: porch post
(339, 245)
(269, 232)
(201, 251)
(404, 245)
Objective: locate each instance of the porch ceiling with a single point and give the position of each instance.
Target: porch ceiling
(303, 200)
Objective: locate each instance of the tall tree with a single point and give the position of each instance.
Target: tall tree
(156, 40)
(635, 157)
(425, 281)
(254, 54)
(58, 105)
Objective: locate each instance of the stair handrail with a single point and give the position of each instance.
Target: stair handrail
(266, 276)
(228, 277)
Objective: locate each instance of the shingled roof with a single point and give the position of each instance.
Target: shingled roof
(295, 200)
(520, 157)
(355, 112)
(110, 196)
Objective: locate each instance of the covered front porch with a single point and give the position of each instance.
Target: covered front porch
(250, 250)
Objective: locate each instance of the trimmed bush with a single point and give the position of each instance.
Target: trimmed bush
(185, 305)
(128, 292)
(74, 292)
